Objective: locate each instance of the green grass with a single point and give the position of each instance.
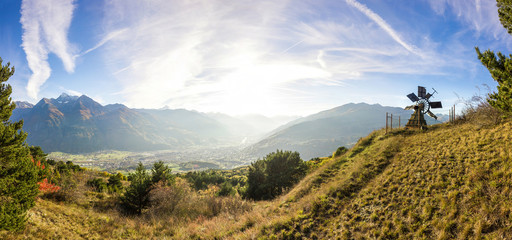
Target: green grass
(450, 182)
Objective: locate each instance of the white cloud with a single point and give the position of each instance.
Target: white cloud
(384, 25)
(481, 16)
(252, 56)
(45, 26)
(108, 37)
(70, 91)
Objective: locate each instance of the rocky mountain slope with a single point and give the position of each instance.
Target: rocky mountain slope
(76, 124)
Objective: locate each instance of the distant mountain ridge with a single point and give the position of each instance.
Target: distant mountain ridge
(320, 134)
(78, 124)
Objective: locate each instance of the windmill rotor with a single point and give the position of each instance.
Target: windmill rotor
(432, 115)
(421, 106)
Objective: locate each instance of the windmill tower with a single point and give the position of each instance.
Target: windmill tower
(422, 105)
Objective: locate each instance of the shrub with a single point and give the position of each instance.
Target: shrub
(98, 184)
(278, 171)
(226, 189)
(69, 189)
(171, 200)
(114, 183)
(479, 111)
(340, 151)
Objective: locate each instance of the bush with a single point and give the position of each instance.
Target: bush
(171, 200)
(479, 111)
(340, 151)
(226, 189)
(277, 172)
(201, 180)
(72, 189)
(181, 201)
(98, 184)
(114, 183)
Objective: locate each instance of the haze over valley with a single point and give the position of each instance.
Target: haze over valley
(79, 128)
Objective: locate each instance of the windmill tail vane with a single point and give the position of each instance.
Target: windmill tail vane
(421, 106)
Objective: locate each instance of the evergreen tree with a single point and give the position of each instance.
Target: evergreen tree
(256, 181)
(18, 174)
(284, 169)
(114, 183)
(160, 172)
(136, 197)
(499, 65)
(505, 13)
(270, 177)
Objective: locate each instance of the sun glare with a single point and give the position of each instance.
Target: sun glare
(261, 88)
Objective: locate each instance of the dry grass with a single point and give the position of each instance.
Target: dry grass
(450, 182)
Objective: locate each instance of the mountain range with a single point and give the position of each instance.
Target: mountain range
(78, 124)
(318, 135)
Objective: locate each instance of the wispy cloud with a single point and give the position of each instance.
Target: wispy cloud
(108, 37)
(70, 91)
(384, 25)
(45, 26)
(208, 55)
(480, 16)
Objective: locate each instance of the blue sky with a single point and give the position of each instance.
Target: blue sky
(238, 57)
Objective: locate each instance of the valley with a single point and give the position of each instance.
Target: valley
(193, 159)
(115, 138)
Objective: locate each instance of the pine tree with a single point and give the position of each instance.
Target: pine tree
(256, 181)
(18, 174)
(161, 173)
(271, 176)
(505, 13)
(136, 197)
(499, 65)
(284, 169)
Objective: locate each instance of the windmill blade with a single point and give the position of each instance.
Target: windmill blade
(422, 92)
(410, 107)
(413, 97)
(428, 96)
(436, 105)
(432, 115)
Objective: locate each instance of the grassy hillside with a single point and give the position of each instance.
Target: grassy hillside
(452, 181)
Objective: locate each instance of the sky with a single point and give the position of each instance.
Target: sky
(241, 57)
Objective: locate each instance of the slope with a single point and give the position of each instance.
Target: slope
(449, 182)
(452, 181)
(318, 134)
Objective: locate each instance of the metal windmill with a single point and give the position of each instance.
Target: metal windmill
(422, 105)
